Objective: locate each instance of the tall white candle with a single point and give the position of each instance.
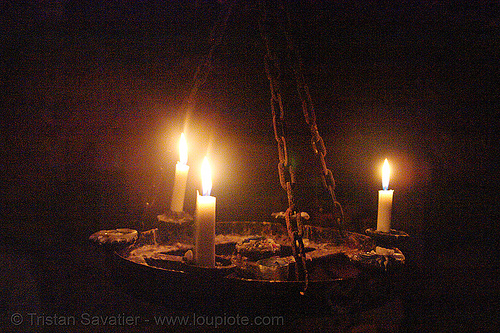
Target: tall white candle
(385, 201)
(204, 231)
(181, 174)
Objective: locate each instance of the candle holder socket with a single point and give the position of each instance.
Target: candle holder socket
(387, 239)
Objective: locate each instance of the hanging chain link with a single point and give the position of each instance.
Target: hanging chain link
(286, 173)
(318, 145)
(285, 169)
(205, 66)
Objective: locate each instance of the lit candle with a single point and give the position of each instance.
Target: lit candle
(385, 201)
(204, 228)
(181, 173)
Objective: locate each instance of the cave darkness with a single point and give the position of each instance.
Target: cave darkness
(93, 99)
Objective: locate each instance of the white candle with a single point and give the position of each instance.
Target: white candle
(385, 201)
(204, 228)
(181, 174)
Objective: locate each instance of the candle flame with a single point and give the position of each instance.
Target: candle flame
(183, 150)
(386, 171)
(206, 177)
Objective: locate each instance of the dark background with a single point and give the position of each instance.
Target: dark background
(93, 97)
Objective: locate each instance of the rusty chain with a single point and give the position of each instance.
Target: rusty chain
(317, 143)
(286, 173)
(205, 66)
(285, 170)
